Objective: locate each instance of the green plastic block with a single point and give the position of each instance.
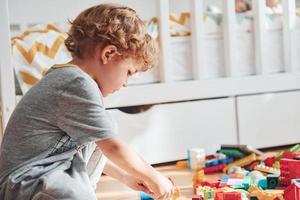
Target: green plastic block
(247, 182)
(232, 153)
(295, 148)
(272, 181)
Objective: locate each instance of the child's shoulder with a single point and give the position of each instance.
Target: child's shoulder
(71, 78)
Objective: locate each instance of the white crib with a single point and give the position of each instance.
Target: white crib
(226, 95)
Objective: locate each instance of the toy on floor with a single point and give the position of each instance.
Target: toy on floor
(293, 191)
(274, 178)
(176, 195)
(196, 157)
(290, 169)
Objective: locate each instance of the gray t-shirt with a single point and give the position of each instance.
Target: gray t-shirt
(60, 114)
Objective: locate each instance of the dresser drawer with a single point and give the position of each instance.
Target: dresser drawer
(269, 119)
(165, 131)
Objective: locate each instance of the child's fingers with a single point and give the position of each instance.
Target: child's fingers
(167, 195)
(171, 180)
(145, 188)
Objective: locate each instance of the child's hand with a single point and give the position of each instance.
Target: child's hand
(136, 184)
(162, 188)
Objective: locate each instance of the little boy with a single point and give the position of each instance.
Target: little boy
(56, 139)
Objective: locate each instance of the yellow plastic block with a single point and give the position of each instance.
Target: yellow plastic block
(241, 162)
(265, 195)
(267, 169)
(206, 192)
(177, 193)
(199, 176)
(276, 165)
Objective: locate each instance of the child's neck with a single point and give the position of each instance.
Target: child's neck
(84, 65)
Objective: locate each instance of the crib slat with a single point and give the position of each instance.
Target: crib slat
(7, 84)
(289, 15)
(259, 7)
(164, 40)
(229, 37)
(197, 39)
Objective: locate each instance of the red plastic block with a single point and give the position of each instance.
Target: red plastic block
(270, 161)
(293, 191)
(216, 184)
(196, 197)
(228, 196)
(213, 169)
(289, 169)
(290, 155)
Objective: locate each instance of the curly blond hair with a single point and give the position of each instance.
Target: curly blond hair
(113, 24)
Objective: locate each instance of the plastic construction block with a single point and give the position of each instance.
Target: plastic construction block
(247, 149)
(235, 153)
(183, 164)
(290, 169)
(272, 181)
(199, 177)
(218, 161)
(255, 191)
(228, 196)
(206, 192)
(295, 148)
(196, 197)
(145, 196)
(293, 191)
(276, 165)
(242, 162)
(262, 183)
(270, 161)
(214, 169)
(290, 154)
(247, 182)
(267, 169)
(195, 156)
(212, 163)
(176, 194)
(226, 160)
(224, 179)
(215, 184)
(252, 165)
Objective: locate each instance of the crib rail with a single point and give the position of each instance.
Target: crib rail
(7, 85)
(230, 83)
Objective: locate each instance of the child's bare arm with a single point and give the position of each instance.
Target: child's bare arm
(113, 170)
(121, 155)
(131, 181)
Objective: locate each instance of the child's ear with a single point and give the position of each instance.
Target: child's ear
(108, 53)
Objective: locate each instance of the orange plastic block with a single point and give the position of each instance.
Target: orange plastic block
(242, 162)
(182, 164)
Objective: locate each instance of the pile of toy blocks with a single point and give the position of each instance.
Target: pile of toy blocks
(245, 176)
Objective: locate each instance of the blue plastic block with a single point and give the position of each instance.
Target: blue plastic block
(212, 163)
(262, 183)
(224, 179)
(226, 160)
(145, 196)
